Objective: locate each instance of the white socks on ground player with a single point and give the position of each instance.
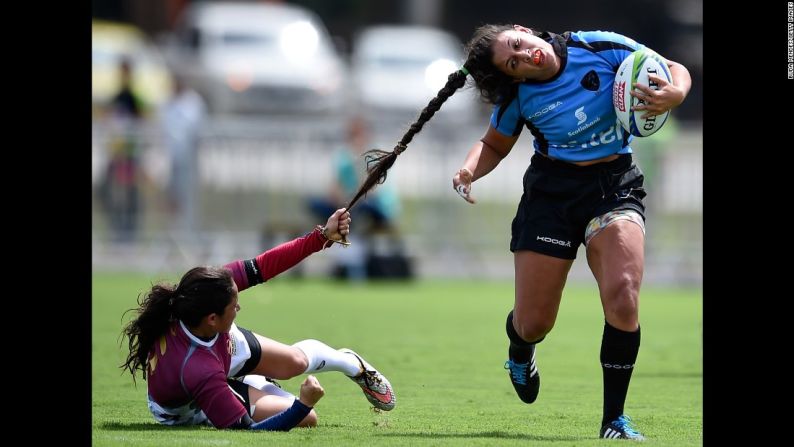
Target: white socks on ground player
(325, 358)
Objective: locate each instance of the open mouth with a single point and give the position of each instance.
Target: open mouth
(538, 57)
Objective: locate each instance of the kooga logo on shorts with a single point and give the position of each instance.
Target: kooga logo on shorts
(554, 241)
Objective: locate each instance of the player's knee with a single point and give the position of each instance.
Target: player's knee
(622, 297)
(626, 287)
(297, 363)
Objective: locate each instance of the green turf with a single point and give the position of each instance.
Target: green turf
(442, 345)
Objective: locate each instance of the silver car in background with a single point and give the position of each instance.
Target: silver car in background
(258, 58)
(398, 69)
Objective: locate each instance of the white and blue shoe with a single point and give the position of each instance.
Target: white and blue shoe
(621, 428)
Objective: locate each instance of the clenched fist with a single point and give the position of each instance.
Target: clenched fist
(311, 391)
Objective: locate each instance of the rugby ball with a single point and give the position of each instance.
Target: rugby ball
(635, 69)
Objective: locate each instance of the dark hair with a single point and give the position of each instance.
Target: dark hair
(379, 162)
(200, 292)
(494, 86)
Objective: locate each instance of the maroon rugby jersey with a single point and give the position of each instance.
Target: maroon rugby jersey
(184, 369)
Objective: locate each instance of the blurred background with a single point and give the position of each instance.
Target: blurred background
(220, 129)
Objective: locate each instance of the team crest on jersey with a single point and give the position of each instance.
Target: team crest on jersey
(231, 346)
(590, 81)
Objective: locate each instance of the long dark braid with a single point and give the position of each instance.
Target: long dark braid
(494, 86)
(200, 292)
(379, 162)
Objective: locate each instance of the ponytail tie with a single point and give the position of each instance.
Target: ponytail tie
(399, 148)
(464, 70)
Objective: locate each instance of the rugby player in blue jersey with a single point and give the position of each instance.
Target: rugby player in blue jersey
(581, 185)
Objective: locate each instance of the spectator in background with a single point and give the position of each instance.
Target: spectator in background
(181, 120)
(376, 213)
(119, 189)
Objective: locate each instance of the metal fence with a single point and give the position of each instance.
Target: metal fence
(255, 175)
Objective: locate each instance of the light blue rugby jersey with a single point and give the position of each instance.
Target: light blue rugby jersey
(571, 115)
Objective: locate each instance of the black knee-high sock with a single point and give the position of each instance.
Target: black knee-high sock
(618, 354)
(520, 349)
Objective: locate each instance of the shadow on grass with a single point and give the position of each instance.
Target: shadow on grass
(669, 375)
(485, 434)
(148, 426)
(145, 426)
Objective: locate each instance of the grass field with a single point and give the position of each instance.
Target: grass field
(442, 345)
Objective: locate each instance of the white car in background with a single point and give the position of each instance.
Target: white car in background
(258, 58)
(400, 68)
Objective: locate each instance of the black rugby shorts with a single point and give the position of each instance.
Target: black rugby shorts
(561, 198)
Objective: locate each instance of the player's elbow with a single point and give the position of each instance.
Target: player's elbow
(310, 420)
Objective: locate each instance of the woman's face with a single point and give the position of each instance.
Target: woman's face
(520, 55)
(230, 311)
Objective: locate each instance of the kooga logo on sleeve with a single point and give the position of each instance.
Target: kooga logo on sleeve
(548, 108)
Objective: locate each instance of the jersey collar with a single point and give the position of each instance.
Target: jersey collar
(196, 340)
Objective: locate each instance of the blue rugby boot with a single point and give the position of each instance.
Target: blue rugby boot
(525, 377)
(620, 428)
